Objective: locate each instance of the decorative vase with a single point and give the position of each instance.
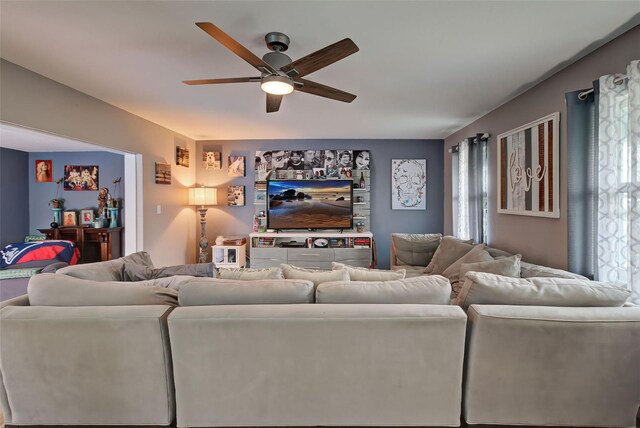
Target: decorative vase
(57, 215)
(113, 214)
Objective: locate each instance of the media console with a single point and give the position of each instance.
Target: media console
(315, 250)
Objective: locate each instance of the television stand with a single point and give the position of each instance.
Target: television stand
(315, 250)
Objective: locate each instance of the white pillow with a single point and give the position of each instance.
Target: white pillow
(314, 275)
(364, 274)
(507, 266)
(449, 250)
(492, 289)
(477, 254)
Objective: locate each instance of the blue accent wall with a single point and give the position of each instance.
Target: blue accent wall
(111, 166)
(224, 220)
(14, 196)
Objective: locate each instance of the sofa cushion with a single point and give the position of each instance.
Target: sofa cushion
(106, 271)
(411, 271)
(434, 290)
(492, 289)
(364, 274)
(50, 289)
(247, 274)
(505, 266)
(136, 272)
(449, 250)
(477, 254)
(201, 292)
(530, 270)
(415, 249)
(314, 275)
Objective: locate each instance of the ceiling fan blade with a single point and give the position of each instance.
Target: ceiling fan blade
(236, 47)
(320, 59)
(216, 81)
(273, 103)
(314, 88)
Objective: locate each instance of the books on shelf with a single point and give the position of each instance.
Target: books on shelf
(264, 242)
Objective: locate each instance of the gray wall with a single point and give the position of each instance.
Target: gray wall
(14, 194)
(111, 166)
(32, 100)
(540, 240)
(224, 220)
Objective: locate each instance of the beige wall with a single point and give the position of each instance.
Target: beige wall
(31, 100)
(540, 240)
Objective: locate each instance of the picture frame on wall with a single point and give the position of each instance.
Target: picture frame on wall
(528, 169)
(236, 166)
(235, 196)
(163, 173)
(81, 177)
(86, 217)
(408, 184)
(212, 160)
(69, 218)
(182, 156)
(44, 171)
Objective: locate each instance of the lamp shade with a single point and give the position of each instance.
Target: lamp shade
(203, 196)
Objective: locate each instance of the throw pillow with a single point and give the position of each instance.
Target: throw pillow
(429, 290)
(477, 254)
(364, 274)
(492, 289)
(135, 272)
(247, 274)
(414, 249)
(449, 250)
(529, 270)
(106, 271)
(201, 292)
(313, 275)
(50, 289)
(506, 266)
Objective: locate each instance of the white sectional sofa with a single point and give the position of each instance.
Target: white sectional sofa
(201, 352)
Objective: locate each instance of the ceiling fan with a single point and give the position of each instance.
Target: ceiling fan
(281, 76)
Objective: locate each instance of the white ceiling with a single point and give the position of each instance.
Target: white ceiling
(29, 140)
(425, 68)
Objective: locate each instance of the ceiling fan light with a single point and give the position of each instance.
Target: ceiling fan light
(277, 85)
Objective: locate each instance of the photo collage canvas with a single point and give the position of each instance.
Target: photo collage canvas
(310, 164)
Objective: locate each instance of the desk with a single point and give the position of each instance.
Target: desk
(95, 244)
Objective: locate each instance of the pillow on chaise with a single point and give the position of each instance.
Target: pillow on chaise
(248, 274)
(530, 270)
(477, 254)
(506, 266)
(314, 275)
(492, 289)
(449, 250)
(432, 290)
(135, 272)
(415, 249)
(106, 271)
(364, 274)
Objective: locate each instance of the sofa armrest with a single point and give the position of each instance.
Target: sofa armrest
(16, 301)
(86, 365)
(534, 365)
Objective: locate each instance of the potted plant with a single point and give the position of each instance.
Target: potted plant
(57, 202)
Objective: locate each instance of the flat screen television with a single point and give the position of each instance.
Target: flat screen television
(310, 204)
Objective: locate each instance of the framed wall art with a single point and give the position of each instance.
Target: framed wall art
(529, 169)
(212, 160)
(236, 166)
(163, 173)
(235, 196)
(44, 171)
(182, 156)
(408, 184)
(81, 177)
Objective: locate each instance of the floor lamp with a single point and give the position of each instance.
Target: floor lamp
(203, 196)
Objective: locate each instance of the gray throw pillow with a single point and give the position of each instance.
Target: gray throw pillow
(449, 250)
(530, 270)
(134, 272)
(364, 274)
(508, 266)
(314, 275)
(248, 274)
(477, 254)
(491, 289)
(426, 290)
(106, 271)
(208, 291)
(50, 289)
(414, 249)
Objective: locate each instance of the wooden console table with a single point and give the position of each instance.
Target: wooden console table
(95, 245)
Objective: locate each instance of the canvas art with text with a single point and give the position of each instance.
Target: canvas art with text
(529, 169)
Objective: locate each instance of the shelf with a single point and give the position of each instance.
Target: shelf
(359, 203)
(359, 218)
(357, 189)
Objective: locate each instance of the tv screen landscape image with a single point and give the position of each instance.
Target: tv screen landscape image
(310, 204)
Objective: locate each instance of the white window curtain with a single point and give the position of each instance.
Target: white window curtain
(618, 217)
(470, 189)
